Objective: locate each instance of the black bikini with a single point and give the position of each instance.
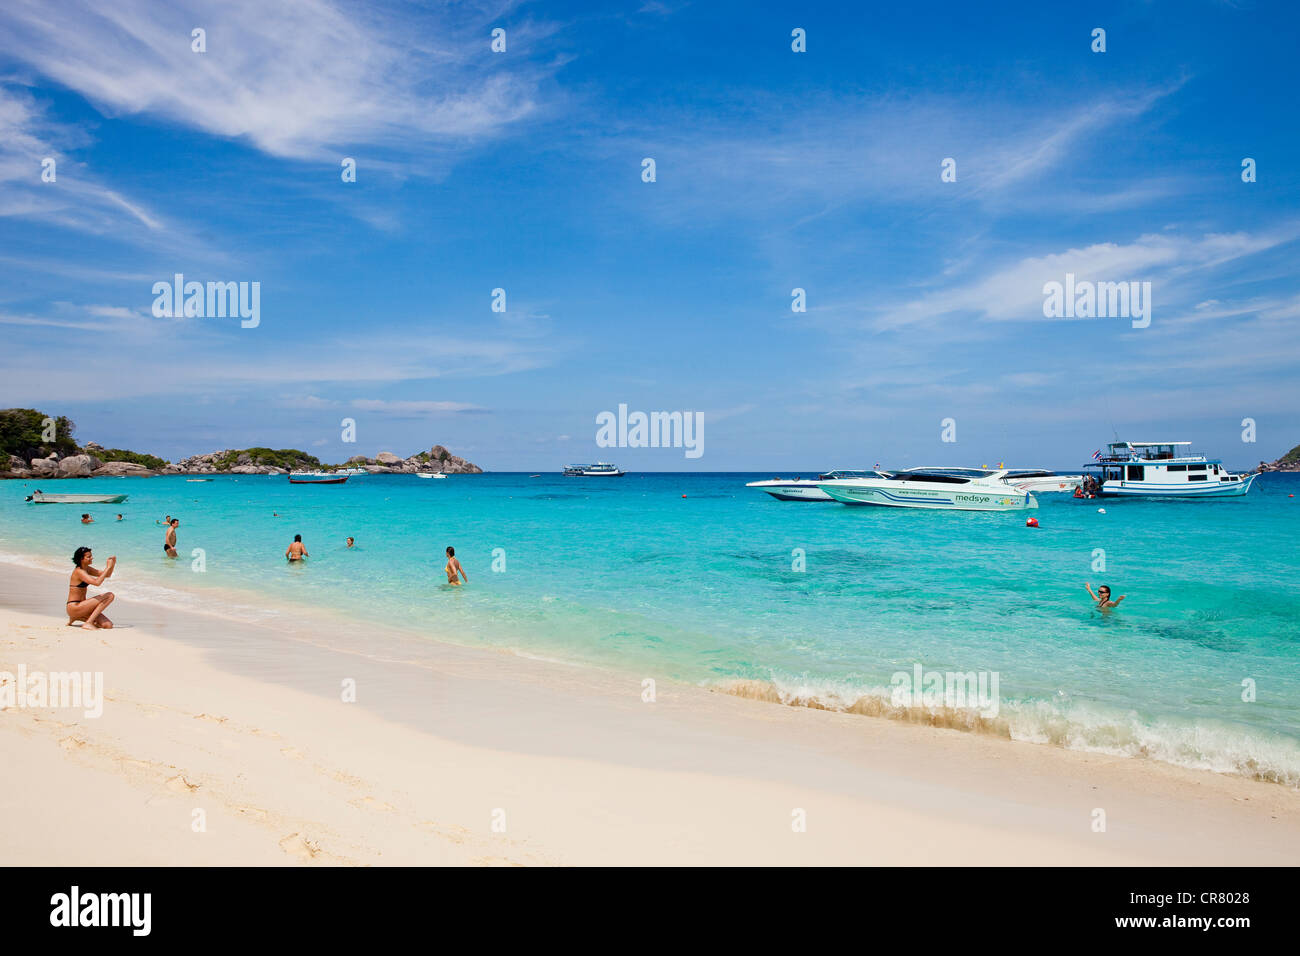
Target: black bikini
(83, 585)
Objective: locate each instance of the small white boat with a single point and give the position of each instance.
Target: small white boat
(352, 472)
(41, 498)
(1144, 469)
(945, 489)
(197, 479)
(803, 489)
(1039, 480)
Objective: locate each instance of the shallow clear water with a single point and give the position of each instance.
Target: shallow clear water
(690, 577)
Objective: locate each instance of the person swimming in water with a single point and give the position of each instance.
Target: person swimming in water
(296, 551)
(81, 607)
(87, 519)
(453, 568)
(1102, 597)
(169, 544)
(351, 542)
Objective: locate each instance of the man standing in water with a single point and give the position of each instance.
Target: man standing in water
(1102, 597)
(169, 545)
(296, 551)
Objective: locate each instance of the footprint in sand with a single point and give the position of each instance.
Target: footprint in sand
(370, 803)
(347, 778)
(295, 844)
(257, 813)
(72, 743)
(293, 753)
(219, 720)
(178, 784)
(453, 833)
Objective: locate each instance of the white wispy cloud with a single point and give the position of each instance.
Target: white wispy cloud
(1015, 291)
(294, 78)
(78, 198)
(415, 409)
(759, 154)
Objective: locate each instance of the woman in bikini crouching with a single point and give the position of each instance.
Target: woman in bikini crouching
(81, 607)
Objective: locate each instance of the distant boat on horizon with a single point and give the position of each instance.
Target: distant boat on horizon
(601, 469)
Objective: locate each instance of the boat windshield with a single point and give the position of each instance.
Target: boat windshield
(930, 473)
(948, 476)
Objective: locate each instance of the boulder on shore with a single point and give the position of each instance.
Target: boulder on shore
(78, 466)
(122, 469)
(388, 458)
(45, 467)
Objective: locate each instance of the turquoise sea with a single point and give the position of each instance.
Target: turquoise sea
(691, 577)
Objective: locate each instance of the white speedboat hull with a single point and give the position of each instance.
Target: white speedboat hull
(981, 496)
(791, 490)
(1049, 483)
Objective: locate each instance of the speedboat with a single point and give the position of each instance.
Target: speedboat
(601, 469)
(315, 478)
(803, 489)
(945, 489)
(1141, 469)
(1038, 480)
(41, 498)
(429, 474)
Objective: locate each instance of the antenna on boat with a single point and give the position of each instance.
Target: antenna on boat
(1109, 417)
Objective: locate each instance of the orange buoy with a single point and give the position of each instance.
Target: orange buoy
(1031, 523)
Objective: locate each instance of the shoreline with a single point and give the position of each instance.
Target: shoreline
(246, 723)
(330, 627)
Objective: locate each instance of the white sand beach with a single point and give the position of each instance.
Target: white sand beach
(459, 756)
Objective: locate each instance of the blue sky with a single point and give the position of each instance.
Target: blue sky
(775, 170)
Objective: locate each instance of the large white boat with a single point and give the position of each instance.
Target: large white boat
(1039, 480)
(601, 469)
(945, 489)
(352, 472)
(1160, 469)
(803, 489)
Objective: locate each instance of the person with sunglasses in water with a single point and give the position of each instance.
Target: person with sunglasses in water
(1102, 597)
